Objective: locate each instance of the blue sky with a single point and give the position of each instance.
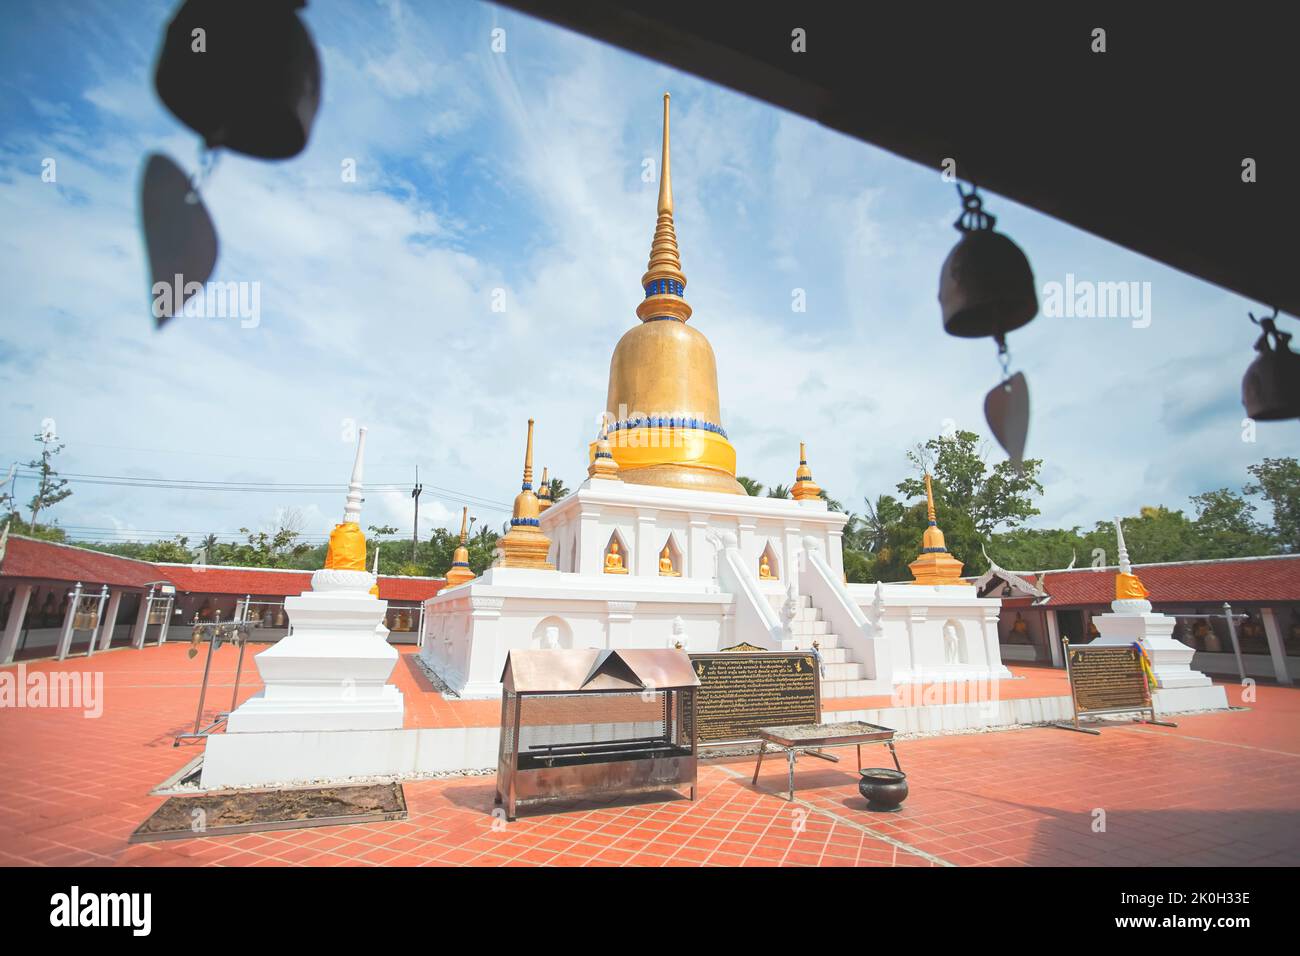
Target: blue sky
(522, 171)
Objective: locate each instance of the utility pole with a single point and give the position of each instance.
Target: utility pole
(415, 529)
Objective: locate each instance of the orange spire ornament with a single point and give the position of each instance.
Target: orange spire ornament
(805, 489)
(935, 565)
(524, 546)
(459, 571)
(347, 547)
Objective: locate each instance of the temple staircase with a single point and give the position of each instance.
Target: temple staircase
(844, 676)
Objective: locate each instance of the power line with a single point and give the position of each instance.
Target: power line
(262, 487)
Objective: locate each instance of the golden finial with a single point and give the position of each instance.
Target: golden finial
(664, 282)
(603, 464)
(935, 565)
(544, 490)
(665, 171)
(524, 546)
(528, 459)
(805, 489)
(459, 571)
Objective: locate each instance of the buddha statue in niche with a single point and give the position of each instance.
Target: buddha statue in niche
(765, 569)
(666, 564)
(613, 560)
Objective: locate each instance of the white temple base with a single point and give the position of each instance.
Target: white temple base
(1180, 687)
(331, 673)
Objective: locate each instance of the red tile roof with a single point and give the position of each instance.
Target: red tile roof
(29, 558)
(214, 579)
(1241, 580)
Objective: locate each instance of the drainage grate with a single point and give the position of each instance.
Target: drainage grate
(251, 811)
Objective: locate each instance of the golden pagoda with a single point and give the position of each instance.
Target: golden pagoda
(544, 499)
(805, 489)
(935, 565)
(663, 378)
(459, 571)
(524, 545)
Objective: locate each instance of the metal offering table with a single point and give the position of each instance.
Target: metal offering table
(811, 738)
(589, 724)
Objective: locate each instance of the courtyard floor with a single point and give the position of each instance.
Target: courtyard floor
(1220, 789)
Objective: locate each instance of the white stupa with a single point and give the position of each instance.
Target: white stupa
(1180, 687)
(331, 672)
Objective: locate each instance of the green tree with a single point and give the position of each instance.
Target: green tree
(779, 491)
(752, 487)
(1226, 526)
(1277, 480)
(558, 490)
(991, 498)
(50, 488)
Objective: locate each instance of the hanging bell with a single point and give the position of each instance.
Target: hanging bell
(243, 74)
(1270, 389)
(986, 287)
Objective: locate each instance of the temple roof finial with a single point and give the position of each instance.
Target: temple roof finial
(664, 282)
(805, 489)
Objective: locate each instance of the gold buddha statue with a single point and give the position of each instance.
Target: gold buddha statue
(614, 561)
(666, 427)
(1020, 630)
(765, 569)
(666, 564)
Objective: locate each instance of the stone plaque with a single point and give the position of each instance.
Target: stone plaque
(1107, 679)
(740, 692)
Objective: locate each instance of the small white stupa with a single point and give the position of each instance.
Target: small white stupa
(331, 672)
(1131, 619)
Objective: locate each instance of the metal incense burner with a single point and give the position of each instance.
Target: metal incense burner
(582, 724)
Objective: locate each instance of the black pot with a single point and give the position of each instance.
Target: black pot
(885, 790)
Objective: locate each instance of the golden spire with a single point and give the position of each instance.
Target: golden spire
(524, 546)
(935, 565)
(805, 489)
(459, 571)
(603, 464)
(664, 281)
(662, 405)
(544, 491)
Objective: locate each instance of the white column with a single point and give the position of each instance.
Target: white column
(1054, 638)
(699, 553)
(14, 626)
(141, 621)
(618, 628)
(1276, 649)
(65, 636)
(108, 621)
(170, 605)
(646, 545)
(485, 648)
(590, 556)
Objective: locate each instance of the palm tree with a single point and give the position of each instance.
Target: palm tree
(832, 504)
(751, 486)
(779, 491)
(558, 490)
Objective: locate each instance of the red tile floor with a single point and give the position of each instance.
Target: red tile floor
(1219, 789)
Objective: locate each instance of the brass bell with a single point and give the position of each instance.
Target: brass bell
(243, 74)
(1270, 389)
(986, 287)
